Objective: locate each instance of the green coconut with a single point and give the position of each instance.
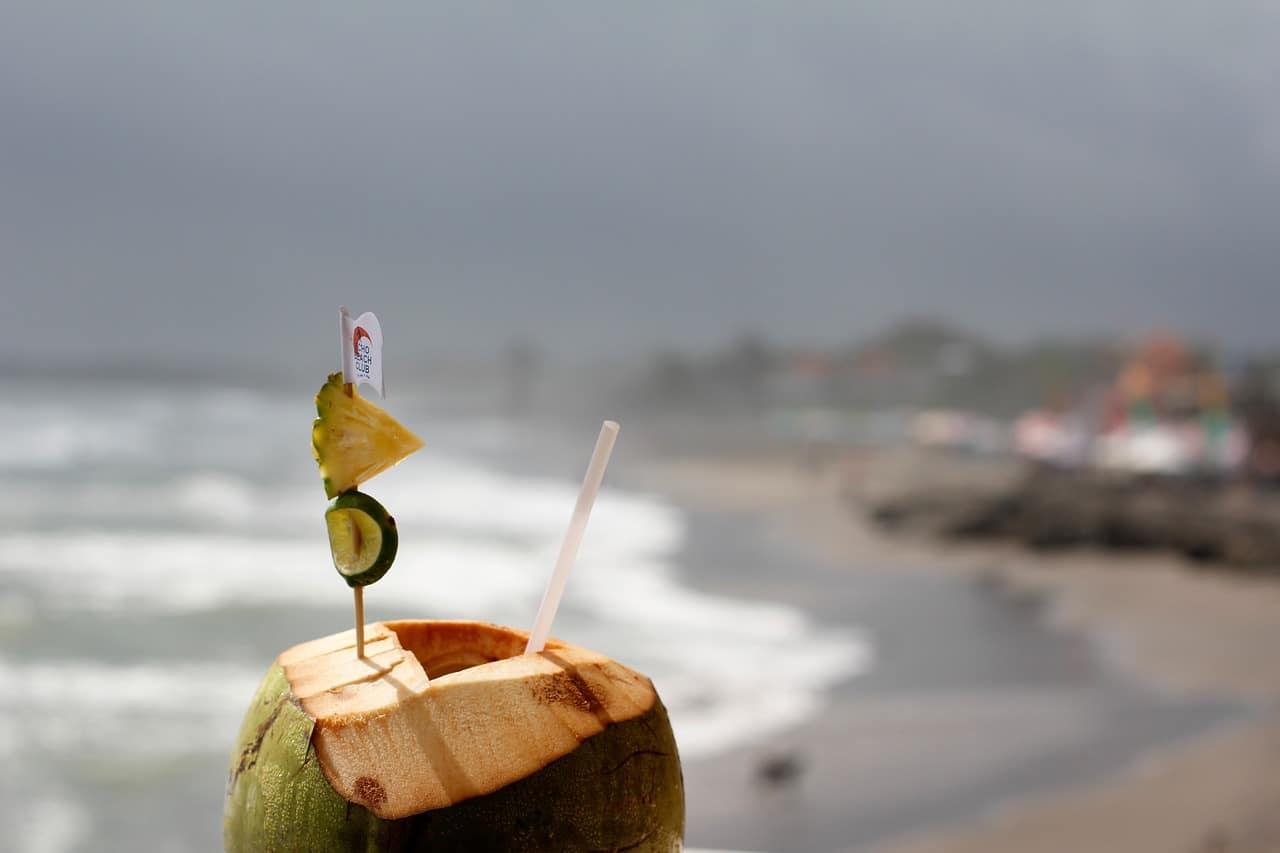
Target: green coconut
(446, 737)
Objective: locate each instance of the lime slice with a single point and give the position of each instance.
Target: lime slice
(362, 537)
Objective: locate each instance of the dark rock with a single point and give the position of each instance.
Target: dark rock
(779, 771)
(1208, 520)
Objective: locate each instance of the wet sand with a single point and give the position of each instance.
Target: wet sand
(1075, 761)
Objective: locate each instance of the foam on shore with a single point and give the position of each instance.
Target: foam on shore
(198, 512)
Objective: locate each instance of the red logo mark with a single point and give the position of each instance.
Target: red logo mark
(355, 339)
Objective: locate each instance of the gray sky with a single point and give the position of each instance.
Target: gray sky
(182, 184)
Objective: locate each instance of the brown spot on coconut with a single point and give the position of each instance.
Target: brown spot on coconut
(370, 792)
(447, 737)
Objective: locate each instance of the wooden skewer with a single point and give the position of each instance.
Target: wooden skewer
(359, 594)
(358, 591)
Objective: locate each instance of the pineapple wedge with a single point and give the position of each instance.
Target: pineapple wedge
(354, 439)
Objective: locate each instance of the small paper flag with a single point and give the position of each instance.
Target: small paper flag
(362, 350)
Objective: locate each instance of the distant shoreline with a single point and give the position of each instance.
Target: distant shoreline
(1189, 632)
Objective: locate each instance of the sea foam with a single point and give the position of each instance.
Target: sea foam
(174, 504)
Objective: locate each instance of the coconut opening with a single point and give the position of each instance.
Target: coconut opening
(490, 714)
(447, 647)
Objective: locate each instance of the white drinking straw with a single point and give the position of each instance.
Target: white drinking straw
(572, 538)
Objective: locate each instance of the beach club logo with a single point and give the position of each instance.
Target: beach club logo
(361, 340)
(362, 352)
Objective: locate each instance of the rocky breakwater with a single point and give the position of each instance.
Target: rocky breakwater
(966, 497)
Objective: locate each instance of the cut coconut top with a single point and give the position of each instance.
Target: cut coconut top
(438, 712)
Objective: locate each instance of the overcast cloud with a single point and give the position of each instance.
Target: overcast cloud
(182, 183)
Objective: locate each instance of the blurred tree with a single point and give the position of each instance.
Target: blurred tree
(746, 366)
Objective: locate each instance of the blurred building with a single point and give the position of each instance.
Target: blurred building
(1167, 411)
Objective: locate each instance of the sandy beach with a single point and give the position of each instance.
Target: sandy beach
(1188, 632)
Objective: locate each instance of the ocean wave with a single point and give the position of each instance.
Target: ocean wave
(48, 824)
(31, 443)
(714, 687)
(708, 655)
(438, 496)
(194, 501)
(133, 713)
(141, 570)
(82, 426)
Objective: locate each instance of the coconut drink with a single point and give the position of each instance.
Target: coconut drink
(442, 735)
(445, 736)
